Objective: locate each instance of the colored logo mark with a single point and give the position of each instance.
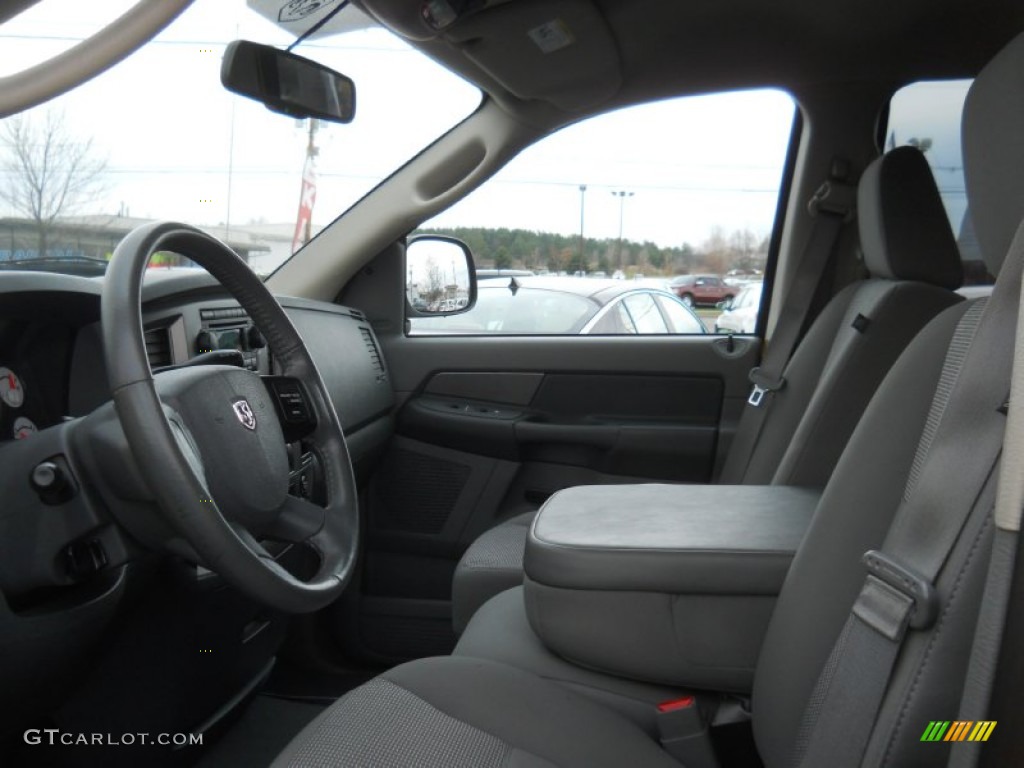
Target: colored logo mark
(958, 730)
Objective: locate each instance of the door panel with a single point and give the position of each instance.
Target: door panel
(490, 427)
(659, 427)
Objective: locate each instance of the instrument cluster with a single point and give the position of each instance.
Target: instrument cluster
(34, 361)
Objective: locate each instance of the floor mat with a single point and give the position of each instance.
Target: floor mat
(263, 730)
(315, 686)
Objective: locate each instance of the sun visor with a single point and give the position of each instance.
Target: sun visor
(560, 52)
(297, 16)
(424, 19)
(11, 8)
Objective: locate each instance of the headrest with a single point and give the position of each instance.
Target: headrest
(993, 143)
(904, 230)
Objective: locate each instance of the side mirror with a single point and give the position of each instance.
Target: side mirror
(725, 304)
(440, 278)
(287, 83)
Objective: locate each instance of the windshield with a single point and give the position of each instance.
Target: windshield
(158, 137)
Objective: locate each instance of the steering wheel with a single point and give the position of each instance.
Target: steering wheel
(208, 439)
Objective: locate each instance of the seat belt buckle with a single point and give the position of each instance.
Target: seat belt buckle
(762, 386)
(912, 584)
(683, 733)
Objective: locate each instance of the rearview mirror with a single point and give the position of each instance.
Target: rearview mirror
(287, 83)
(440, 279)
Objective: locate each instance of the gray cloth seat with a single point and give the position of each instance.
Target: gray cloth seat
(492, 564)
(465, 711)
(912, 257)
(500, 631)
(469, 713)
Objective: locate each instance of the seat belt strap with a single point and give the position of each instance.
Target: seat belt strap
(1000, 667)
(995, 651)
(944, 488)
(832, 205)
(982, 697)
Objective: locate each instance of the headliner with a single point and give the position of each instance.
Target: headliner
(630, 51)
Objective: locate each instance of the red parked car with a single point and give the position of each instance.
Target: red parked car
(702, 289)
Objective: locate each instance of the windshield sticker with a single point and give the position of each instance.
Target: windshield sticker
(552, 36)
(299, 16)
(300, 9)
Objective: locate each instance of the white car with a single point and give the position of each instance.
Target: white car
(740, 315)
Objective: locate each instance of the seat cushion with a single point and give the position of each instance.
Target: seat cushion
(500, 631)
(492, 564)
(468, 713)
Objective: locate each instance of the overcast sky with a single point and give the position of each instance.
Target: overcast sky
(172, 134)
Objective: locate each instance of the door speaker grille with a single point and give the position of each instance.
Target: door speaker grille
(417, 493)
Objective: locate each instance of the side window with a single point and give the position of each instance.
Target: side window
(635, 197)
(680, 320)
(645, 314)
(927, 115)
(613, 322)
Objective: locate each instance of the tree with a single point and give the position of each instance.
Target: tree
(573, 260)
(435, 282)
(744, 246)
(655, 256)
(48, 172)
(716, 254)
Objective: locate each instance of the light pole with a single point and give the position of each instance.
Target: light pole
(583, 191)
(622, 195)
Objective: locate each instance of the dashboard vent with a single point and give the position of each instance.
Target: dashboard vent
(375, 357)
(158, 347)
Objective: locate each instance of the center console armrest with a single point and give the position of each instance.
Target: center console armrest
(666, 583)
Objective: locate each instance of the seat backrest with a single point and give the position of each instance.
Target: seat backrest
(914, 265)
(879, 467)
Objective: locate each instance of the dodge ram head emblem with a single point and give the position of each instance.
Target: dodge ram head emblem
(244, 413)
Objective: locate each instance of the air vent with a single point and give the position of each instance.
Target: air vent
(158, 347)
(375, 357)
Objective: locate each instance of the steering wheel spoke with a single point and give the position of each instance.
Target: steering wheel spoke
(294, 408)
(298, 520)
(251, 542)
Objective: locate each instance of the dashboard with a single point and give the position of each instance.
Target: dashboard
(67, 567)
(51, 352)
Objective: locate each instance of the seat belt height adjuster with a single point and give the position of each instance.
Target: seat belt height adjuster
(910, 583)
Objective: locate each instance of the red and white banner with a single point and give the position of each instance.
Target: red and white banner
(307, 199)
